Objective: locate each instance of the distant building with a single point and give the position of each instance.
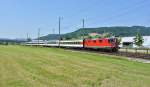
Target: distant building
(129, 42)
(93, 34)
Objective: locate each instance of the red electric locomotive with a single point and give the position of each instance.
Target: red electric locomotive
(102, 43)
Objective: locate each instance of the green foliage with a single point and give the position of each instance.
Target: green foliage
(119, 40)
(104, 35)
(3, 43)
(97, 36)
(107, 35)
(29, 39)
(138, 40)
(93, 37)
(90, 37)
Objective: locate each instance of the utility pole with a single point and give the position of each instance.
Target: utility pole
(83, 21)
(59, 31)
(27, 36)
(39, 35)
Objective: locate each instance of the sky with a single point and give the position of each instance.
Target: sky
(19, 17)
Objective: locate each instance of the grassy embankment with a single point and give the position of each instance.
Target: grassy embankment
(52, 67)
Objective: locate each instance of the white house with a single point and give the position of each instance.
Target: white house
(129, 41)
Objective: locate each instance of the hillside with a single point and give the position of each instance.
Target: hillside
(50, 37)
(118, 31)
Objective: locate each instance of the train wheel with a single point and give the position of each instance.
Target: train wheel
(114, 50)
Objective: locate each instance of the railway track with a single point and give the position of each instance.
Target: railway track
(124, 54)
(132, 55)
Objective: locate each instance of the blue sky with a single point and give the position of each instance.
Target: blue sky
(18, 17)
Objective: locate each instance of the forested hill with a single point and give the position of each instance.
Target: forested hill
(118, 31)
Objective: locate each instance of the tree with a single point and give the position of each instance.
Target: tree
(29, 39)
(97, 36)
(119, 40)
(138, 40)
(107, 35)
(90, 37)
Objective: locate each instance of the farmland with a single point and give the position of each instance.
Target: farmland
(52, 67)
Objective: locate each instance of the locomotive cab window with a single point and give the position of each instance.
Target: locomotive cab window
(111, 40)
(100, 41)
(94, 41)
(78, 42)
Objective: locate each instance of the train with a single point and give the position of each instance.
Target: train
(109, 44)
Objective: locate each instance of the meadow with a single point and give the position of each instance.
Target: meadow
(22, 66)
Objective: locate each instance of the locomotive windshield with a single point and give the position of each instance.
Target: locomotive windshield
(111, 40)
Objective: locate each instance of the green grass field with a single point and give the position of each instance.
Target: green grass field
(52, 67)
